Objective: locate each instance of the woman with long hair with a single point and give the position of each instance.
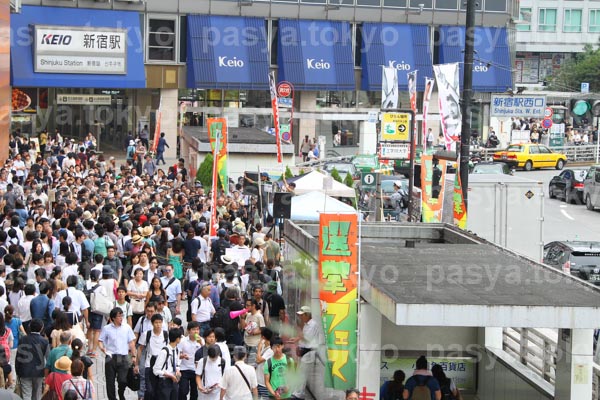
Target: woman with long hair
(49, 262)
(175, 257)
(16, 292)
(62, 323)
(156, 291)
(14, 323)
(447, 386)
(6, 343)
(78, 347)
(137, 290)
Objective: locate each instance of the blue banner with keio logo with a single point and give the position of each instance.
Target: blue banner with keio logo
(316, 55)
(403, 47)
(491, 67)
(227, 52)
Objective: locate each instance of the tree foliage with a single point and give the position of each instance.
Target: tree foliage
(349, 181)
(583, 67)
(204, 174)
(288, 172)
(336, 175)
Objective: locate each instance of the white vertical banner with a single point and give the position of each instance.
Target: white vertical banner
(429, 83)
(412, 94)
(448, 83)
(389, 88)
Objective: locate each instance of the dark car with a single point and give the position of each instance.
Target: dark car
(582, 258)
(498, 168)
(568, 185)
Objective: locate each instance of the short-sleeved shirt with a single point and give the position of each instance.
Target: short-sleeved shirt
(116, 338)
(234, 385)
(278, 374)
(415, 380)
(253, 321)
(78, 300)
(213, 371)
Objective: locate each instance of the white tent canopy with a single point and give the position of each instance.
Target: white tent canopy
(309, 206)
(316, 180)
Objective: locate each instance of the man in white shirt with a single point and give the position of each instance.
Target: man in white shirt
(239, 381)
(202, 308)
(172, 287)
(166, 368)
(71, 269)
(79, 302)
(210, 372)
(188, 347)
(153, 341)
(23, 308)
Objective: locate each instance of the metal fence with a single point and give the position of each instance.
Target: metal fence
(575, 154)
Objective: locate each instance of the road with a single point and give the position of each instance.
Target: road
(564, 221)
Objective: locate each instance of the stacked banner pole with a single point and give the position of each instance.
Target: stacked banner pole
(275, 106)
(448, 84)
(338, 282)
(217, 136)
(429, 83)
(215, 191)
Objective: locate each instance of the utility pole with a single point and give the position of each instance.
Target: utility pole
(467, 99)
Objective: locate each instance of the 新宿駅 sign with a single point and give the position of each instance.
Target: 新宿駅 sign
(80, 50)
(531, 106)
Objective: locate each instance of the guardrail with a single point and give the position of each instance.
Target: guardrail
(575, 154)
(533, 349)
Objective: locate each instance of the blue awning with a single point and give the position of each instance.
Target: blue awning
(316, 55)
(227, 53)
(22, 55)
(405, 47)
(492, 66)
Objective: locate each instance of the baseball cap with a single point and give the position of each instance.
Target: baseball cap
(304, 310)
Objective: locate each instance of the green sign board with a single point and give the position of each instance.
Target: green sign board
(368, 180)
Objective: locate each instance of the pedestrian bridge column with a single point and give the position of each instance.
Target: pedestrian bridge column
(574, 372)
(168, 125)
(369, 349)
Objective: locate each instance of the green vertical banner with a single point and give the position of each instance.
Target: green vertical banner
(338, 282)
(217, 128)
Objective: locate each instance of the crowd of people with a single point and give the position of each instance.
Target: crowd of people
(114, 264)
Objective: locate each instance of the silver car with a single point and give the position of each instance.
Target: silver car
(591, 188)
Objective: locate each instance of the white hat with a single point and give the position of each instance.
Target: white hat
(226, 259)
(131, 143)
(398, 183)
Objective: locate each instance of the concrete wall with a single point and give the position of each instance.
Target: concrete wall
(411, 337)
(5, 94)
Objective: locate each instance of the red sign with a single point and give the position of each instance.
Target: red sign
(284, 90)
(548, 112)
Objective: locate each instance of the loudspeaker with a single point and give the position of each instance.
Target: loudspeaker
(250, 185)
(282, 205)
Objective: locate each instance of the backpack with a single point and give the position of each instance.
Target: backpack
(166, 338)
(221, 319)
(421, 390)
(5, 347)
(87, 393)
(204, 360)
(446, 392)
(130, 152)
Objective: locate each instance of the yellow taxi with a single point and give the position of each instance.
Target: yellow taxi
(529, 156)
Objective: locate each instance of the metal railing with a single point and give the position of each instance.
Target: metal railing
(533, 349)
(575, 154)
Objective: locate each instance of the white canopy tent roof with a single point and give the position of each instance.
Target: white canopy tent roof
(309, 206)
(316, 180)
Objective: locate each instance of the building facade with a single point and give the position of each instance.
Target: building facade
(212, 58)
(549, 32)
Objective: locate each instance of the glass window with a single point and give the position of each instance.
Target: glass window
(394, 3)
(495, 5)
(255, 98)
(358, 45)
(547, 20)
(594, 25)
(525, 19)
(273, 47)
(337, 99)
(368, 2)
(314, 1)
(446, 4)
(349, 135)
(478, 5)
(572, 22)
(162, 39)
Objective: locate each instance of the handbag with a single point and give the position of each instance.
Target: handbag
(77, 331)
(133, 380)
(137, 306)
(50, 394)
(101, 304)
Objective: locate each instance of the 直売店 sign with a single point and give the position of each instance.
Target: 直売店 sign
(79, 50)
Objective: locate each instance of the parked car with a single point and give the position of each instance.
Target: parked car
(495, 168)
(582, 258)
(343, 168)
(568, 185)
(529, 156)
(591, 188)
(366, 163)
